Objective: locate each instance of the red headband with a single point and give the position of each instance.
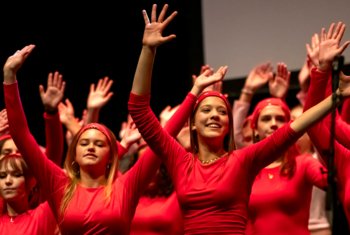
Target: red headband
(206, 94)
(266, 102)
(4, 137)
(96, 126)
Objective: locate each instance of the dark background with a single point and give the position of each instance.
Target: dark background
(87, 41)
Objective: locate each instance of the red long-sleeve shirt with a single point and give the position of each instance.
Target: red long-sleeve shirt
(280, 204)
(320, 136)
(214, 197)
(87, 212)
(33, 222)
(157, 216)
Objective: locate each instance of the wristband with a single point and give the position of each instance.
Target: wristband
(337, 97)
(247, 91)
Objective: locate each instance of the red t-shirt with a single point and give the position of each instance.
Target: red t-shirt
(280, 204)
(33, 222)
(157, 216)
(213, 197)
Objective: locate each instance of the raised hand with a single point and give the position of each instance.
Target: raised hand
(313, 51)
(152, 35)
(203, 68)
(152, 38)
(330, 45)
(129, 134)
(66, 111)
(14, 63)
(258, 77)
(166, 114)
(54, 92)
(279, 84)
(99, 95)
(304, 75)
(4, 123)
(217, 86)
(205, 79)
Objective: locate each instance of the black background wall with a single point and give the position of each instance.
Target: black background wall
(88, 41)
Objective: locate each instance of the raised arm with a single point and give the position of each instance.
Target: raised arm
(68, 119)
(258, 77)
(4, 125)
(139, 105)
(152, 38)
(279, 84)
(98, 97)
(129, 137)
(345, 114)
(329, 48)
(48, 174)
(217, 86)
(50, 98)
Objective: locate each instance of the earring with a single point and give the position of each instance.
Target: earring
(75, 168)
(256, 138)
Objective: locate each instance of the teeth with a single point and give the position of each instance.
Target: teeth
(213, 125)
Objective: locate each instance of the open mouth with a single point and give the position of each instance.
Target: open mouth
(213, 125)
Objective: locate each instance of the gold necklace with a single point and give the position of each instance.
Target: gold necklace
(209, 161)
(206, 162)
(12, 218)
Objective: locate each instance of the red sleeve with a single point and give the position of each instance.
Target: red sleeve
(342, 130)
(317, 88)
(121, 150)
(345, 111)
(54, 138)
(177, 121)
(51, 177)
(158, 139)
(320, 132)
(315, 172)
(264, 152)
(138, 177)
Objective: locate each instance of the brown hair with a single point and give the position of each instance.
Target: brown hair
(229, 143)
(17, 163)
(72, 168)
(288, 164)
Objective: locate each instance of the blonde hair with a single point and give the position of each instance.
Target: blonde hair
(72, 168)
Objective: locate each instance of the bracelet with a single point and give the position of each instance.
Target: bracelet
(337, 97)
(247, 91)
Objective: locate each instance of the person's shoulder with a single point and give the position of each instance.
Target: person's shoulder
(305, 158)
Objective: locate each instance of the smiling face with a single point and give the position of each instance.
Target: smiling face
(211, 119)
(270, 119)
(93, 151)
(13, 186)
